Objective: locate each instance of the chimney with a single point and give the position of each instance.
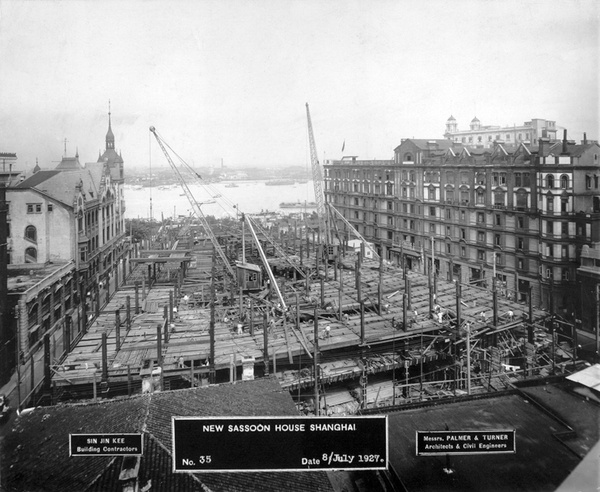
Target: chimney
(564, 142)
(542, 141)
(584, 138)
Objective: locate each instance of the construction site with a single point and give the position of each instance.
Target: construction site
(308, 300)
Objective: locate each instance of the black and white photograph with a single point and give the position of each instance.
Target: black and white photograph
(299, 245)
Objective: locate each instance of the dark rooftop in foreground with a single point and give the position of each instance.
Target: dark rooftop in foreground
(555, 429)
(35, 455)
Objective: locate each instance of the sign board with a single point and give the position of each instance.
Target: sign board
(250, 444)
(105, 444)
(465, 442)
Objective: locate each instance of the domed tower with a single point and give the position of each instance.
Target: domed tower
(475, 124)
(451, 126)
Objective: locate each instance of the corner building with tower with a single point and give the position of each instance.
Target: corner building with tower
(66, 250)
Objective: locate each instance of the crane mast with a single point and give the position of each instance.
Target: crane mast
(195, 205)
(318, 182)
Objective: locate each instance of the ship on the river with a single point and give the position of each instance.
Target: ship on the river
(298, 204)
(280, 182)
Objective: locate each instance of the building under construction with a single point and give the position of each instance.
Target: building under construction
(340, 327)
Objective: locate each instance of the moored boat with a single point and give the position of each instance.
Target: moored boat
(280, 182)
(297, 204)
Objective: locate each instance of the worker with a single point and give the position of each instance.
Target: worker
(327, 331)
(240, 328)
(181, 362)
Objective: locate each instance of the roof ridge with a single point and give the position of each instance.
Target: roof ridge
(168, 451)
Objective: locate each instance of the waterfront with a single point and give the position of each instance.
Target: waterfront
(217, 199)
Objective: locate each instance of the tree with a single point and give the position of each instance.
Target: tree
(140, 229)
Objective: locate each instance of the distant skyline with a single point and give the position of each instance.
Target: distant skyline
(227, 80)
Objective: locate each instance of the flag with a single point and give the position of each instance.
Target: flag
(343, 146)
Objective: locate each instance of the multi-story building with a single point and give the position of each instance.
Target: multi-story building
(521, 213)
(486, 136)
(66, 246)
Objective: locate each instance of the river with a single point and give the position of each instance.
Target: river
(216, 199)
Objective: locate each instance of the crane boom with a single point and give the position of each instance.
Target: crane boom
(263, 257)
(317, 181)
(355, 232)
(195, 205)
(277, 248)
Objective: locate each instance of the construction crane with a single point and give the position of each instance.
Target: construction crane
(263, 257)
(322, 207)
(356, 233)
(195, 205)
(317, 172)
(276, 247)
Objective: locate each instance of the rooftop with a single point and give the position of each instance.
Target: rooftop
(23, 277)
(36, 452)
(554, 430)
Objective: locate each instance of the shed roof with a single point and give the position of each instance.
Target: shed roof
(589, 377)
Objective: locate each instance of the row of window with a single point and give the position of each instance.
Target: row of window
(480, 178)
(508, 136)
(36, 208)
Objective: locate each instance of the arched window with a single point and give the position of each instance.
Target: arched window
(31, 255)
(550, 181)
(408, 157)
(564, 181)
(31, 233)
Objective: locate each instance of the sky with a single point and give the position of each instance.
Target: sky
(225, 82)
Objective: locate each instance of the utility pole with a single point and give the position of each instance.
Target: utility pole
(316, 362)
(597, 322)
(211, 329)
(4, 323)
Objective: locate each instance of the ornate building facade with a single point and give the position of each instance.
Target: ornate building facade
(67, 248)
(521, 214)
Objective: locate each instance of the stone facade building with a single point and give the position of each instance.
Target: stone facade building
(486, 136)
(67, 249)
(520, 213)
